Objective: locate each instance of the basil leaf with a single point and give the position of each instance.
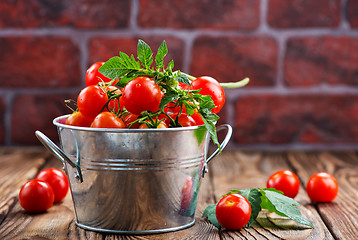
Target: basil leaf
(283, 206)
(145, 54)
(253, 196)
(210, 214)
(162, 52)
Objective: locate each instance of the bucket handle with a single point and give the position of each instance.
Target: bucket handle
(57, 152)
(222, 145)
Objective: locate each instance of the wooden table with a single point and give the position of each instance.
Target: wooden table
(230, 170)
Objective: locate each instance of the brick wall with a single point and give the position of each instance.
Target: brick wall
(301, 56)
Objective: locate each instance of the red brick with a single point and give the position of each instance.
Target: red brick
(39, 62)
(36, 112)
(81, 14)
(101, 49)
(352, 13)
(304, 13)
(199, 14)
(229, 59)
(315, 60)
(270, 119)
(2, 124)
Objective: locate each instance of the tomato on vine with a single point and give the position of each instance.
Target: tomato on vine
(93, 77)
(210, 86)
(91, 100)
(107, 120)
(142, 94)
(78, 119)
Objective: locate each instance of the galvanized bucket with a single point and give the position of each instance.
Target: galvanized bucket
(133, 181)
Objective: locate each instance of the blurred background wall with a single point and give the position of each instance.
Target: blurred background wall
(301, 57)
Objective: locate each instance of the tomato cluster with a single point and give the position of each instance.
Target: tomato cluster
(37, 195)
(101, 104)
(320, 187)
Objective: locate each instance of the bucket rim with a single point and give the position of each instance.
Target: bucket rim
(59, 122)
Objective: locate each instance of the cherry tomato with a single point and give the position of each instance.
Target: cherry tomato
(142, 94)
(107, 120)
(128, 119)
(322, 187)
(91, 101)
(233, 211)
(36, 196)
(160, 125)
(57, 180)
(93, 77)
(198, 119)
(117, 103)
(284, 181)
(210, 86)
(77, 119)
(185, 120)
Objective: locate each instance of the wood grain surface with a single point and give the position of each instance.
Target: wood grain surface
(230, 170)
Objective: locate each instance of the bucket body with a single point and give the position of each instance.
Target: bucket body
(134, 180)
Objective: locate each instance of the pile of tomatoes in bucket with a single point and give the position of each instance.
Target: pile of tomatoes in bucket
(101, 104)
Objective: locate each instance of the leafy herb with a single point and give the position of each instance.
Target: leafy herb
(126, 68)
(259, 199)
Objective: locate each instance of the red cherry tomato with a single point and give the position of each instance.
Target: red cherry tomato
(128, 119)
(107, 120)
(77, 119)
(284, 181)
(198, 119)
(142, 94)
(233, 211)
(117, 103)
(210, 86)
(57, 180)
(185, 120)
(93, 77)
(322, 187)
(91, 101)
(36, 196)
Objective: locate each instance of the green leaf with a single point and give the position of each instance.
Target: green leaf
(145, 54)
(162, 52)
(210, 126)
(189, 108)
(170, 96)
(183, 79)
(113, 68)
(254, 197)
(283, 206)
(210, 214)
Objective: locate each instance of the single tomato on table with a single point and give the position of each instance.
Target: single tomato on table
(233, 211)
(285, 181)
(36, 196)
(322, 187)
(57, 180)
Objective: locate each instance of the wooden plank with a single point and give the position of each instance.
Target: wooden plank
(341, 215)
(59, 221)
(238, 170)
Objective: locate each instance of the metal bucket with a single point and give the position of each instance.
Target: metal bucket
(133, 181)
